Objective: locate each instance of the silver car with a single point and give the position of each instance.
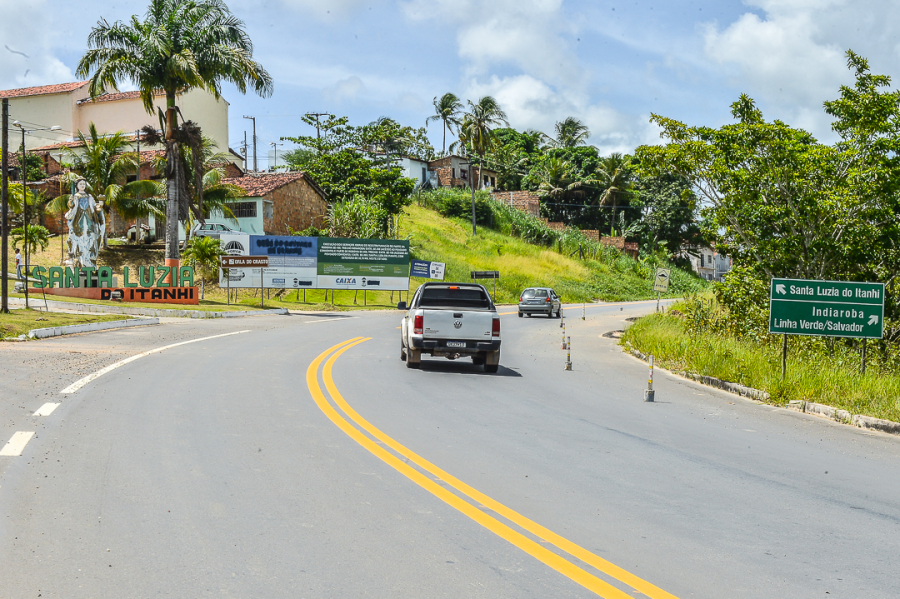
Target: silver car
(539, 300)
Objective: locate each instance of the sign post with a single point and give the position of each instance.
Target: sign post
(825, 309)
(487, 274)
(661, 283)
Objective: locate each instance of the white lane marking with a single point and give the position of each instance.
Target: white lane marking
(327, 319)
(82, 382)
(16, 444)
(46, 409)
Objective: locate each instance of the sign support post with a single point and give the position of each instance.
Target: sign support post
(661, 283)
(228, 284)
(783, 356)
(262, 292)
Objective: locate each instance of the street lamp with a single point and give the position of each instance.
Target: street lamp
(25, 193)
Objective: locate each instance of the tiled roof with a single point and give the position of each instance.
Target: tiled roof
(42, 90)
(57, 146)
(118, 96)
(262, 184)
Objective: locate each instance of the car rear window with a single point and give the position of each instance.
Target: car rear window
(529, 293)
(454, 297)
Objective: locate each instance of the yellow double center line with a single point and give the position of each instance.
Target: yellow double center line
(529, 546)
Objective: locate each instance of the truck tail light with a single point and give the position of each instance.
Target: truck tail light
(419, 325)
(495, 328)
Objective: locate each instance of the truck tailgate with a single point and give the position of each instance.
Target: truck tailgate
(457, 324)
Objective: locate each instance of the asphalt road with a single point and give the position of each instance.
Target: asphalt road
(284, 462)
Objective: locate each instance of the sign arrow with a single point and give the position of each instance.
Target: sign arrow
(873, 319)
(779, 288)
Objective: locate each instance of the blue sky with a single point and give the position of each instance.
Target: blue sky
(610, 63)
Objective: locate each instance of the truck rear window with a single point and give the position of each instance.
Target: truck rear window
(449, 297)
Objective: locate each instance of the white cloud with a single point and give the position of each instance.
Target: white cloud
(27, 57)
(532, 104)
(792, 58)
(529, 35)
(345, 89)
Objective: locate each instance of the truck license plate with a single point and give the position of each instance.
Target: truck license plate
(456, 344)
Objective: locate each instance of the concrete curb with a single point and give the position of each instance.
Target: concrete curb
(845, 417)
(807, 407)
(113, 309)
(90, 327)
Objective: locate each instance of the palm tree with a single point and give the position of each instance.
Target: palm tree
(447, 110)
(557, 179)
(180, 45)
(613, 174)
(477, 126)
(570, 133)
(203, 253)
(511, 164)
(105, 162)
(217, 195)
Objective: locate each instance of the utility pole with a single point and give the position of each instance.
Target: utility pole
(244, 151)
(275, 145)
(25, 209)
(253, 118)
(4, 209)
(317, 115)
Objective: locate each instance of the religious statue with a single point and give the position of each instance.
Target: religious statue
(87, 226)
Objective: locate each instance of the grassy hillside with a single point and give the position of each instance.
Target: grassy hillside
(521, 264)
(606, 275)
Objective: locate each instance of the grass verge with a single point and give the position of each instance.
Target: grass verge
(19, 322)
(759, 366)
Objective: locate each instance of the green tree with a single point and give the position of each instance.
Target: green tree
(179, 46)
(447, 109)
(203, 254)
(570, 132)
(511, 164)
(477, 129)
(346, 173)
(37, 236)
(783, 204)
(105, 162)
(614, 175)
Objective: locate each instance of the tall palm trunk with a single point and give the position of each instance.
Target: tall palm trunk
(173, 185)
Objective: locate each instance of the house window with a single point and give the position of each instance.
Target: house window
(453, 172)
(701, 259)
(463, 174)
(244, 209)
(268, 210)
(423, 174)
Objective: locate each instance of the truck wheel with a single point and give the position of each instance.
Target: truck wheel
(413, 358)
(402, 353)
(478, 359)
(491, 368)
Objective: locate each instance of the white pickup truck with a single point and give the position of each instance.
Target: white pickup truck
(452, 320)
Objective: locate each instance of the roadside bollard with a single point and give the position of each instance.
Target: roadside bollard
(562, 318)
(649, 393)
(569, 354)
(563, 345)
(582, 311)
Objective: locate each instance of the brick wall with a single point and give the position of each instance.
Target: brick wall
(626, 247)
(525, 201)
(295, 205)
(592, 234)
(557, 226)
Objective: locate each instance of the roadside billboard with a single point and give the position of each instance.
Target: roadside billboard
(427, 270)
(319, 262)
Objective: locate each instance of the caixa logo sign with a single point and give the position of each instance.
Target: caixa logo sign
(345, 281)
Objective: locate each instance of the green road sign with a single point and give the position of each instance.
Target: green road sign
(826, 308)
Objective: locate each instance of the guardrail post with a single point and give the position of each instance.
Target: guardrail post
(649, 393)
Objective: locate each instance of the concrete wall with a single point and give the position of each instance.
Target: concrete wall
(47, 110)
(129, 115)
